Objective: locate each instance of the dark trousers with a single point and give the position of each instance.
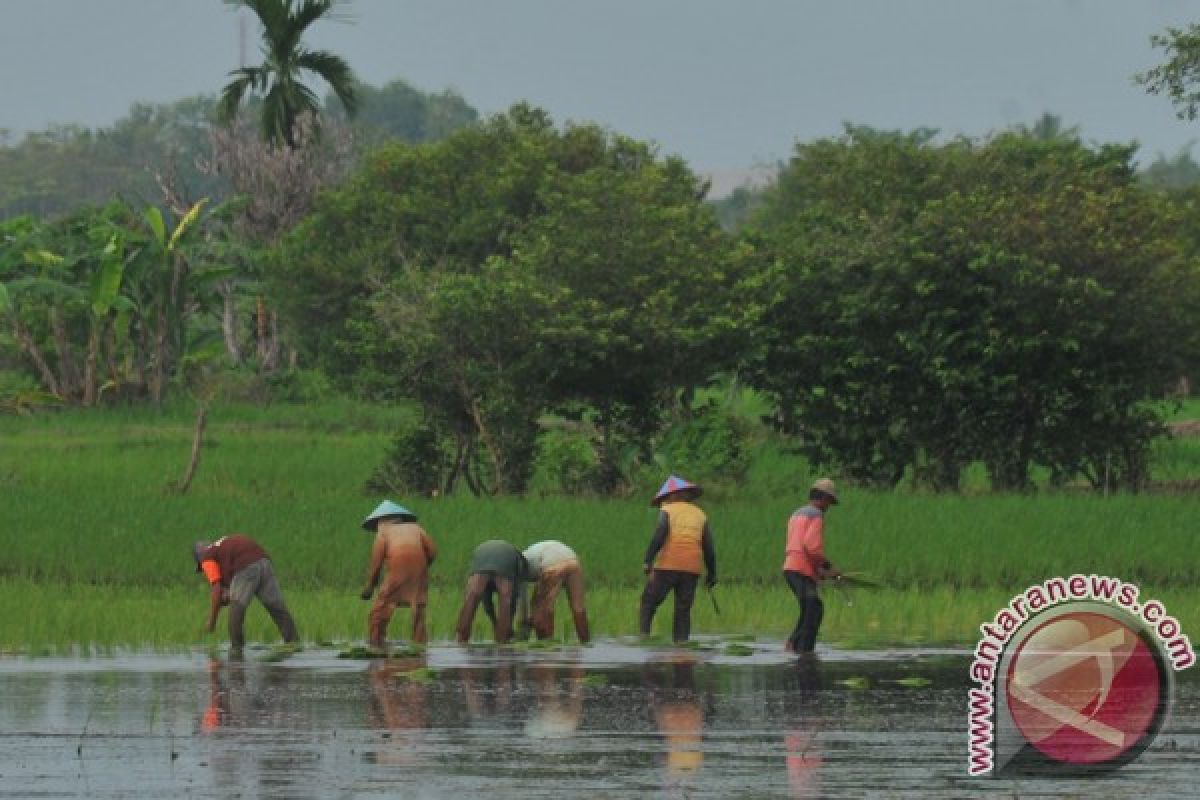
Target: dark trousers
(662, 582)
(804, 635)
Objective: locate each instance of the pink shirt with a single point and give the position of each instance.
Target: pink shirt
(805, 552)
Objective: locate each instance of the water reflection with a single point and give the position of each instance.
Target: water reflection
(399, 706)
(245, 699)
(678, 714)
(558, 703)
(806, 723)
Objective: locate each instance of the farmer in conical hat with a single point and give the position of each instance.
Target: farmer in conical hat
(682, 542)
(407, 550)
(238, 570)
(805, 565)
(553, 565)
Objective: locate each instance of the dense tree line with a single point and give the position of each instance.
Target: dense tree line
(54, 172)
(907, 305)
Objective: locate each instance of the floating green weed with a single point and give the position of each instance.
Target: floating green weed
(735, 649)
(418, 675)
(594, 680)
(913, 682)
(855, 682)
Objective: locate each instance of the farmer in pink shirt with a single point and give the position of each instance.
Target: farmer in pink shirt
(805, 565)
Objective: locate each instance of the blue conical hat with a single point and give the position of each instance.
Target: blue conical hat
(386, 509)
(673, 484)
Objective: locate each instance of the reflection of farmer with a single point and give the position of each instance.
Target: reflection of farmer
(400, 704)
(238, 569)
(559, 707)
(802, 747)
(678, 715)
(805, 564)
(407, 550)
(497, 568)
(682, 540)
(552, 565)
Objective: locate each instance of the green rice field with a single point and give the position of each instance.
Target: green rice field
(97, 542)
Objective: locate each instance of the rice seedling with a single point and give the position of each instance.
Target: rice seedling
(98, 544)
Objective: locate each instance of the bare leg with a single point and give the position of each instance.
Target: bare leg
(420, 636)
(471, 597)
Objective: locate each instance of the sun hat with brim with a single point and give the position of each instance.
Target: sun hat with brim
(825, 486)
(387, 509)
(198, 552)
(672, 485)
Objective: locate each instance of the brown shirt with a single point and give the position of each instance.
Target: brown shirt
(232, 554)
(407, 551)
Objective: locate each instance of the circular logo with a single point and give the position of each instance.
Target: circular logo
(1087, 688)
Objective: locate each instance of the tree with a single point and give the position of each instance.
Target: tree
(1016, 302)
(285, 99)
(511, 269)
(1177, 78)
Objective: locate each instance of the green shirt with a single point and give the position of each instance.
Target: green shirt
(501, 559)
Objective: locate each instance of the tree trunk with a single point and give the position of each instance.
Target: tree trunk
(68, 371)
(229, 323)
(27, 344)
(197, 444)
(89, 366)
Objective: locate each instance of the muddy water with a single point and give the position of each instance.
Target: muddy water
(611, 720)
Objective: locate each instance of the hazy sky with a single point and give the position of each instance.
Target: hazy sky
(725, 84)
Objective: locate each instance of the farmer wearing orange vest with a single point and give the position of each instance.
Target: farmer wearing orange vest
(407, 551)
(805, 565)
(682, 540)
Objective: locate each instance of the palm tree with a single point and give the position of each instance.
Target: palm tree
(285, 99)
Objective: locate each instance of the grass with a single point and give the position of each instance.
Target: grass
(97, 544)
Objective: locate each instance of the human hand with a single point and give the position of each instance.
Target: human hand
(224, 597)
(647, 569)
(710, 582)
(366, 593)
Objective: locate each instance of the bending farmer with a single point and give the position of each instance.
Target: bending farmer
(407, 550)
(552, 565)
(682, 540)
(238, 570)
(804, 564)
(497, 568)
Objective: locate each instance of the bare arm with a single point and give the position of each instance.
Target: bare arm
(215, 596)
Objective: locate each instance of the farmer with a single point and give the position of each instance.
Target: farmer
(497, 568)
(407, 550)
(238, 569)
(805, 565)
(552, 565)
(682, 540)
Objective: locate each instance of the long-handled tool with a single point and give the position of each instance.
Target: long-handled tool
(712, 594)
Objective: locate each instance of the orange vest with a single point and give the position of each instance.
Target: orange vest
(683, 550)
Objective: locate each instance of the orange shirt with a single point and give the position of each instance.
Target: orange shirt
(684, 548)
(805, 551)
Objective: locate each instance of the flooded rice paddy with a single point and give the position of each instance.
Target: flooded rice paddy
(610, 720)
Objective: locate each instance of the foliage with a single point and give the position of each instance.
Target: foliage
(710, 444)
(284, 98)
(104, 300)
(512, 269)
(1014, 302)
(416, 464)
(1177, 77)
(567, 463)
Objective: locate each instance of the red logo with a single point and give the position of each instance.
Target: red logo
(1085, 688)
